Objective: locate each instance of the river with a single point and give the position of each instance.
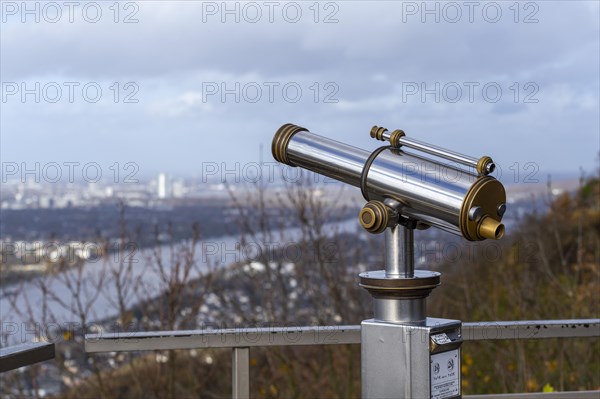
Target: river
(35, 307)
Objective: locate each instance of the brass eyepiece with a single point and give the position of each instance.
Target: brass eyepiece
(482, 201)
(490, 228)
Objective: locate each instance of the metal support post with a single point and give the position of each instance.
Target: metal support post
(399, 244)
(404, 353)
(241, 373)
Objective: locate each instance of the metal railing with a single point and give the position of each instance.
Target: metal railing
(240, 340)
(16, 356)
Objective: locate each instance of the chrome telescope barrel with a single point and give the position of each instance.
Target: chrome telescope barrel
(433, 193)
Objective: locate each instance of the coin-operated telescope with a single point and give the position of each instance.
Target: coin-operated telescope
(408, 185)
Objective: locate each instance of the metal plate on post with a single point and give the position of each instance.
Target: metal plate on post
(445, 375)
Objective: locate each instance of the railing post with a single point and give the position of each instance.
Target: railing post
(240, 364)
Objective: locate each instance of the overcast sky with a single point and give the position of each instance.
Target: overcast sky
(336, 68)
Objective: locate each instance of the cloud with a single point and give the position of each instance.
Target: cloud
(359, 64)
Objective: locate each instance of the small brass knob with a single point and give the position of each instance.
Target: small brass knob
(485, 166)
(377, 133)
(374, 217)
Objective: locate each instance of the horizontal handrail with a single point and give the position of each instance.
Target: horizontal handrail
(224, 338)
(531, 329)
(240, 340)
(540, 395)
(16, 356)
(323, 335)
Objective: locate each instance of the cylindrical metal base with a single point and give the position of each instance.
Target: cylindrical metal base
(395, 310)
(399, 300)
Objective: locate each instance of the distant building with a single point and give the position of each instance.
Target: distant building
(164, 186)
(178, 189)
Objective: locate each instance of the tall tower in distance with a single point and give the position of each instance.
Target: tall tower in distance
(163, 186)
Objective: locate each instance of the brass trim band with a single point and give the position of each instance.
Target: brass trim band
(365, 171)
(381, 286)
(281, 140)
(395, 138)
